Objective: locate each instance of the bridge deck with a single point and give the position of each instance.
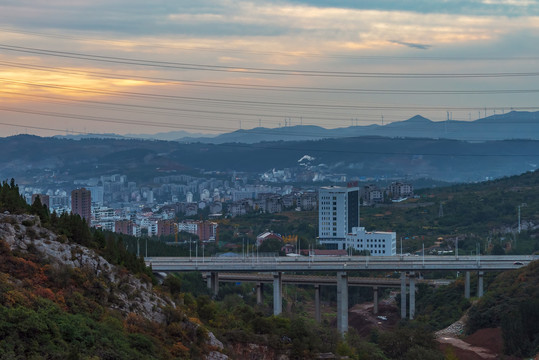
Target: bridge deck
(348, 263)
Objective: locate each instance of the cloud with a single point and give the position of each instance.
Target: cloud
(19, 83)
(412, 45)
(526, 3)
(297, 23)
(454, 7)
(337, 35)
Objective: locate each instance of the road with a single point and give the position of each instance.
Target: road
(346, 263)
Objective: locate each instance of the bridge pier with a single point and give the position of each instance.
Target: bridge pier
(375, 299)
(480, 284)
(412, 295)
(467, 285)
(317, 315)
(214, 282)
(259, 293)
(342, 302)
(277, 293)
(403, 295)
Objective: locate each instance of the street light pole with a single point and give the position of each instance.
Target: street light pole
(519, 219)
(478, 250)
(423, 254)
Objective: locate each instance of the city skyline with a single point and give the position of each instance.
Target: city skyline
(214, 67)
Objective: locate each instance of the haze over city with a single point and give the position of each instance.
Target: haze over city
(211, 67)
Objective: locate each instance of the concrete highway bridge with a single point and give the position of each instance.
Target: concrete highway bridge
(292, 279)
(271, 270)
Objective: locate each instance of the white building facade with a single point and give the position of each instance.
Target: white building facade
(338, 224)
(188, 226)
(377, 243)
(338, 213)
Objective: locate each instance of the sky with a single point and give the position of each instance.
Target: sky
(134, 66)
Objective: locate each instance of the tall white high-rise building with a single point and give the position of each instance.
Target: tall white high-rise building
(338, 213)
(338, 224)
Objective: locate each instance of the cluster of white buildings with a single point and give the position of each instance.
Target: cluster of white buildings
(339, 227)
(155, 224)
(396, 191)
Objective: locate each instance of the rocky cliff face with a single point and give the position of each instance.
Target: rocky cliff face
(129, 295)
(124, 291)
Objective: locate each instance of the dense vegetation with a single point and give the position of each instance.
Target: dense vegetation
(237, 319)
(440, 307)
(484, 213)
(512, 303)
(59, 312)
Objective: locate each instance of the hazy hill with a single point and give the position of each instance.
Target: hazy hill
(512, 125)
(167, 136)
(450, 160)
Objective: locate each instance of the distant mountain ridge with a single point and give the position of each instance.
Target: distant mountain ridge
(508, 126)
(512, 125)
(166, 136)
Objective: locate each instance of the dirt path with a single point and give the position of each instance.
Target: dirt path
(484, 344)
(481, 352)
(362, 318)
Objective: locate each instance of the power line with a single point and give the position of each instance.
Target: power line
(138, 108)
(41, 128)
(150, 109)
(110, 120)
(302, 54)
(256, 70)
(155, 124)
(215, 84)
(271, 104)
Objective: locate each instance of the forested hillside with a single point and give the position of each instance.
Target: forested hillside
(512, 303)
(440, 159)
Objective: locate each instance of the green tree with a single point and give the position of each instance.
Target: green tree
(271, 245)
(497, 249)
